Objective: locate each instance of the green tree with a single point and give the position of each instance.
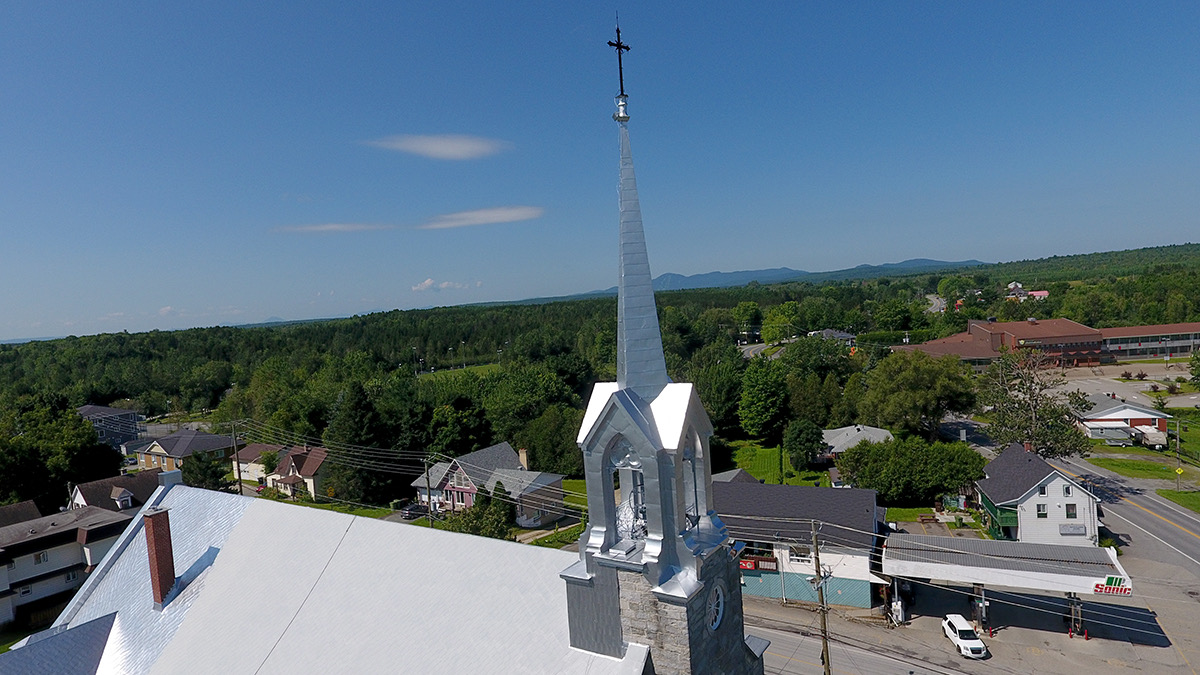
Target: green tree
(269, 459)
(763, 408)
(845, 410)
(803, 441)
(748, 316)
(1194, 367)
(781, 322)
(910, 391)
(910, 470)
(206, 470)
(550, 441)
(1027, 404)
(806, 398)
(491, 515)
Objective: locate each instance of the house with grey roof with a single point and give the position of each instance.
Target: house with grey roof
(18, 513)
(114, 426)
(170, 452)
(454, 484)
(47, 558)
(1113, 418)
(842, 439)
(775, 523)
(119, 493)
(1026, 499)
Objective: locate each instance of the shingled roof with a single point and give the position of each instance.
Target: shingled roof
(18, 513)
(184, 442)
(1013, 473)
(761, 512)
(103, 492)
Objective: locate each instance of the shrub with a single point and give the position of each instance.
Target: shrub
(1172, 388)
(1154, 387)
(1181, 379)
(1141, 375)
(1126, 375)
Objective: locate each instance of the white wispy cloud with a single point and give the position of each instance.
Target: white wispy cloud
(334, 227)
(431, 285)
(444, 146)
(490, 216)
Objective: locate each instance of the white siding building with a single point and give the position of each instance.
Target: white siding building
(1028, 500)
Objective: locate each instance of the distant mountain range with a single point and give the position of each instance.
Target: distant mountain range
(777, 275)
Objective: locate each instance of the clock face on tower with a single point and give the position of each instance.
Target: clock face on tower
(716, 606)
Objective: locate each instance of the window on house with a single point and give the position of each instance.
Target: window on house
(1066, 490)
(1041, 490)
(12, 565)
(1071, 512)
(1041, 511)
(154, 460)
(71, 576)
(460, 497)
(760, 549)
(460, 480)
(41, 557)
(799, 554)
(25, 590)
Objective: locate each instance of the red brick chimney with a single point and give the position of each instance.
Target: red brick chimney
(162, 558)
(1028, 446)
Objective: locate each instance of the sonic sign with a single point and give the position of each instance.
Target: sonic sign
(1113, 586)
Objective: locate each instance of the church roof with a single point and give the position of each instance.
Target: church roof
(340, 614)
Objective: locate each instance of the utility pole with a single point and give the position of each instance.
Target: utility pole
(1178, 462)
(820, 582)
(428, 495)
(236, 460)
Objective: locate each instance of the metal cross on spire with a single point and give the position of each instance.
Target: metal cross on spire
(620, 47)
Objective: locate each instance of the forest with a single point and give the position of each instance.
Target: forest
(450, 380)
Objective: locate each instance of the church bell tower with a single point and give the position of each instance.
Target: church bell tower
(656, 564)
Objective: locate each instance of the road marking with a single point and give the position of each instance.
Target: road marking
(1130, 501)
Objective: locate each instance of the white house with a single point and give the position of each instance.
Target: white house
(1028, 500)
(44, 560)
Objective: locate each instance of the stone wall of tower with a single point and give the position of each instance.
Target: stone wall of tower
(678, 635)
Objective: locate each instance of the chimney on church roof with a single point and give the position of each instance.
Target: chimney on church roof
(160, 553)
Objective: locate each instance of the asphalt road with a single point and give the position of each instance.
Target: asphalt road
(1131, 506)
(797, 653)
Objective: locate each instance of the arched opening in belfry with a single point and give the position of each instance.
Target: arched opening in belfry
(694, 501)
(629, 482)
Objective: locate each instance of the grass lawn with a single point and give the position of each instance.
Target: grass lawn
(364, 511)
(1100, 448)
(906, 515)
(12, 635)
(1134, 468)
(578, 487)
(1188, 499)
(455, 372)
(561, 538)
(763, 464)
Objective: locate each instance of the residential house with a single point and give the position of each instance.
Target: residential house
(1026, 499)
(775, 523)
(842, 439)
(847, 339)
(46, 558)
(119, 493)
(1115, 419)
(114, 426)
(453, 485)
(299, 470)
(169, 452)
(248, 460)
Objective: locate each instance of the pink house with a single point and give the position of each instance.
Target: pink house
(452, 485)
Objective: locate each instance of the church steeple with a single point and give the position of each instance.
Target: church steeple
(656, 565)
(640, 363)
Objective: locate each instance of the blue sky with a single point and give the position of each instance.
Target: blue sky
(168, 165)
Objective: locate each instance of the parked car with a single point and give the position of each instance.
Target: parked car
(960, 632)
(413, 511)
